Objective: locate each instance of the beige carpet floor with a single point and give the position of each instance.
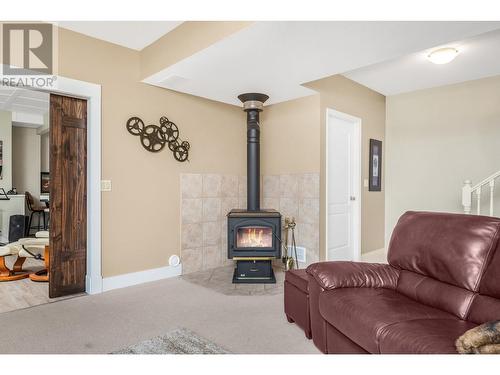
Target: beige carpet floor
(114, 320)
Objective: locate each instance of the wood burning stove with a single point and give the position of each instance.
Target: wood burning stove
(253, 241)
(254, 234)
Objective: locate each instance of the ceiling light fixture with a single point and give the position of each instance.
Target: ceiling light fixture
(442, 55)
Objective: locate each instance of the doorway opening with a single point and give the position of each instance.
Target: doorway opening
(71, 261)
(343, 186)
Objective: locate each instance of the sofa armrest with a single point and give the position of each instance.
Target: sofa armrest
(332, 275)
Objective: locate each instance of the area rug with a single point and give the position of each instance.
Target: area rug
(179, 341)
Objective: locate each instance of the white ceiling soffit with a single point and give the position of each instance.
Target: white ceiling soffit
(15, 99)
(131, 34)
(275, 58)
(479, 57)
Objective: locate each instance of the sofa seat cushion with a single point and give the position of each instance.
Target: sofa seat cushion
(423, 336)
(362, 313)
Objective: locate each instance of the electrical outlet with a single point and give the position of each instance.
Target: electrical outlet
(301, 253)
(105, 185)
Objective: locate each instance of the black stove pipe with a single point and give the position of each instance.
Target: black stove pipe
(253, 104)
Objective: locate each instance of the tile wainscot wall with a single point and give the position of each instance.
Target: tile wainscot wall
(206, 199)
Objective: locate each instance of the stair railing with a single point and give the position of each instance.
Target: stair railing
(469, 192)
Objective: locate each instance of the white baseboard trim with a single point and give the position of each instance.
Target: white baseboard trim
(135, 278)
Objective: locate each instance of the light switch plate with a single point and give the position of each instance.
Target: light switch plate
(365, 182)
(105, 185)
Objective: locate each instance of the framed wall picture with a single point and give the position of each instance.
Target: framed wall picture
(44, 182)
(375, 180)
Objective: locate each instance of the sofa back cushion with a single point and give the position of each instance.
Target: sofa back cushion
(432, 292)
(451, 248)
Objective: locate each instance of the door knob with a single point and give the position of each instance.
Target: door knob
(352, 198)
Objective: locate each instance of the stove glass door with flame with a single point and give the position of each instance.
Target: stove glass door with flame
(253, 236)
(256, 236)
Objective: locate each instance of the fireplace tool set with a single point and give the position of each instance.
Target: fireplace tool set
(289, 251)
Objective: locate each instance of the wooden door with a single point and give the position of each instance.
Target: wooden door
(68, 195)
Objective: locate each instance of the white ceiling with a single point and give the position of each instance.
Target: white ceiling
(277, 57)
(130, 34)
(479, 57)
(20, 100)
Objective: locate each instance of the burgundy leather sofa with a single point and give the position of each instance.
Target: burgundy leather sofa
(443, 278)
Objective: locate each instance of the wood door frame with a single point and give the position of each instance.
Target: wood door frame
(92, 93)
(357, 122)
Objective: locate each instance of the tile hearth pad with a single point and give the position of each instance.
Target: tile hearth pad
(220, 280)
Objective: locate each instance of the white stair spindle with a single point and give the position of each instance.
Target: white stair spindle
(467, 196)
(470, 193)
(478, 193)
(492, 188)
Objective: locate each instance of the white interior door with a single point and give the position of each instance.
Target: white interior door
(343, 186)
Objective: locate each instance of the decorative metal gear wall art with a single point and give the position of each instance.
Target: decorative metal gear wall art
(154, 138)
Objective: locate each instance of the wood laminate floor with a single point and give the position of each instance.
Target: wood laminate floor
(20, 294)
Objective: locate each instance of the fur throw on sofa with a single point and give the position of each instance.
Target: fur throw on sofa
(483, 339)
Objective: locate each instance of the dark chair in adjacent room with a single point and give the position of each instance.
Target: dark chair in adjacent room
(33, 209)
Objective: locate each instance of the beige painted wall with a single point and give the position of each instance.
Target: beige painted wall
(140, 217)
(344, 95)
(185, 40)
(26, 160)
(6, 138)
(436, 139)
(290, 137)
